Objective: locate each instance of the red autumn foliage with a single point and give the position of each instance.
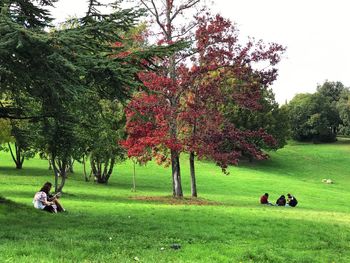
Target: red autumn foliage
(222, 70)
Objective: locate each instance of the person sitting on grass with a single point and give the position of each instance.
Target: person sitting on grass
(292, 201)
(264, 199)
(281, 201)
(44, 201)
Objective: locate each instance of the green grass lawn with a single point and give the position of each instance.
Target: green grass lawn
(110, 223)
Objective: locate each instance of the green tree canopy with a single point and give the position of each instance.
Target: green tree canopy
(313, 117)
(270, 117)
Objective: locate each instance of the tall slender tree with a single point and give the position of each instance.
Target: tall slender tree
(166, 15)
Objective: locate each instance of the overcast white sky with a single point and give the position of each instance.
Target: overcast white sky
(315, 32)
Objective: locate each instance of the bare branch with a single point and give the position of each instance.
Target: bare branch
(147, 7)
(155, 13)
(188, 5)
(185, 56)
(186, 31)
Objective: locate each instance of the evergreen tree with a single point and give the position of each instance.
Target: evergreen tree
(58, 68)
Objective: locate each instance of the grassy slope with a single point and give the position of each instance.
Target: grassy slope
(240, 229)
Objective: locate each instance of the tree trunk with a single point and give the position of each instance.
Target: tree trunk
(193, 176)
(134, 177)
(87, 178)
(192, 168)
(63, 180)
(55, 173)
(175, 167)
(70, 166)
(16, 157)
(102, 170)
(176, 175)
(60, 170)
(50, 165)
(19, 158)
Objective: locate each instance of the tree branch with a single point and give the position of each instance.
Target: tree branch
(183, 7)
(6, 116)
(155, 13)
(12, 155)
(186, 31)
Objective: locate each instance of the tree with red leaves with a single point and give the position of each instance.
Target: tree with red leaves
(224, 73)
(183, 108)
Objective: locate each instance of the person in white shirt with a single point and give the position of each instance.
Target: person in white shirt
(43, 200)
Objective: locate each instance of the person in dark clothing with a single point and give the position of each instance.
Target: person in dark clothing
(292, 201)
(281, 201)
(264, 199)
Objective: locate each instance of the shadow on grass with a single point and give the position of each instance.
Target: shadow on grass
(343, 140)
(144, 185)
(275, 166)
(340, 140)
(125, 199)
(169, 200)
(32, 171)
(7, 205)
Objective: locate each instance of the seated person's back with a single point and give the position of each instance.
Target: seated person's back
(281, 201)
(292, 201)
(264, 199)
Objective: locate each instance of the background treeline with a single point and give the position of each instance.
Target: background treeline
(321, 116)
